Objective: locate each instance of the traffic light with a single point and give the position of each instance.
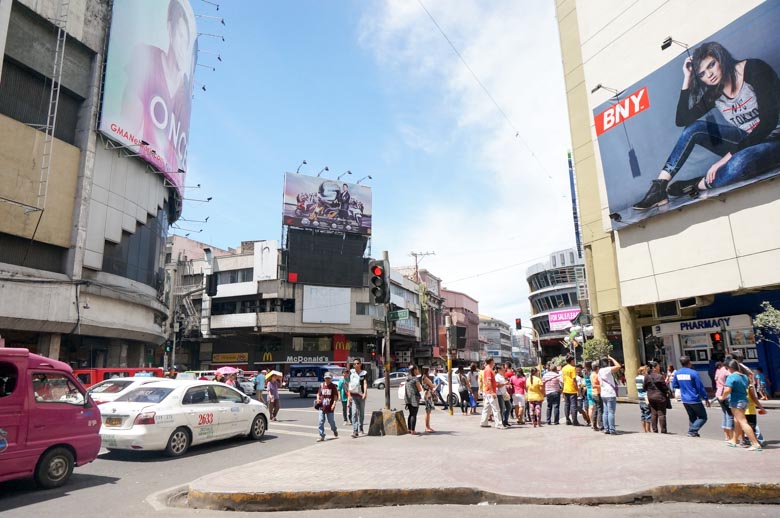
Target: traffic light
(716, 337)
(379, 284)
(518, 324)
(168, 346)
(211, 285)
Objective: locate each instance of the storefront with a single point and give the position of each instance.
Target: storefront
(706, 341)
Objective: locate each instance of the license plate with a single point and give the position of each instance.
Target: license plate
(113, 421)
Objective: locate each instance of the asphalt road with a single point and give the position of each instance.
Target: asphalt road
(118, 483)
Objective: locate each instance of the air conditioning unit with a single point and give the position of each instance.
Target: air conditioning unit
(690, 302)
(666, 310)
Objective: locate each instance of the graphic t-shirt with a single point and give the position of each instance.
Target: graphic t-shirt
(640, 387)
(569, 375)
(327, 395)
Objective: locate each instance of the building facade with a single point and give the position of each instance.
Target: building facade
(497, 338)
(83, 219)
(464, 312)
(677, 271)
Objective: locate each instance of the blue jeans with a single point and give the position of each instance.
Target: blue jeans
(321, 424)
(722, 139)
(697, 416)
(553, 407)
(727, 422)
(358, 413)
(570, 408)
(608, 419)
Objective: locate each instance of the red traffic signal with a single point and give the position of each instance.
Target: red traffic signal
(377, 270)
(518, 323)
(716, 337)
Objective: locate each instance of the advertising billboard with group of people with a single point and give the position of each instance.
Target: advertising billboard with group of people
(704, 124)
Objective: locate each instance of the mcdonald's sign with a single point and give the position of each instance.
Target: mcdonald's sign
(268, 357)
(340, 348)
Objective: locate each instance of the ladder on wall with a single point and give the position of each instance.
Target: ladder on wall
(54, 97)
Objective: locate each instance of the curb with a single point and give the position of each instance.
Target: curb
(759, 493)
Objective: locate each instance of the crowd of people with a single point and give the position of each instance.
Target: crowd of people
(588, 393)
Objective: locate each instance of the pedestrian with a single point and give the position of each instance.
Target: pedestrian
(644, 407)
(343, 387)
(569, 377)
(761, 384)
(358, 392)
(552, 393)
(463, 391)
(219, 377)
(273, 396)
(582, 402)
(502, 394)
(727, 418)
(692, 393)
(473, 377)
(595, 392)
(438, 383)
(326, 400)
(736, 390)
(260, 385)
(232, 380)
(518, 382)
(412, 397)
(490, 396)
(428, 390)
(752, 419)
(608, 393)
(669, 376)
(586, 372)
(535, 391)
(659, 396)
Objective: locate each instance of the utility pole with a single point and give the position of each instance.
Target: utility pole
(386, 341)
(450, 336)
(418, 256)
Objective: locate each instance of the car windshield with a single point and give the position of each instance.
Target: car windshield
(146, 395)
(186, 376)
(110, 386)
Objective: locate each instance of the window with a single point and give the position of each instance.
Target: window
(563, 260)
(145, 395)
(571, 257)
(8, 377)
(367, 309)
(56, 388)
(235, 276)
(201, 395)
(555, 265)
(227, 395)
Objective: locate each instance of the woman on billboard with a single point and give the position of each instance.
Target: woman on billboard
(747, 137)
(158, 95)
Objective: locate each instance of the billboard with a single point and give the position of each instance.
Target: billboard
(324, 204)
(147, 92)
(562, 319)
(663, 147)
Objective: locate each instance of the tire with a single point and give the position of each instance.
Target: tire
(303, 392)
(54, 468)
(453, 400)
(258, 428)
(178, 443)
(381, 386)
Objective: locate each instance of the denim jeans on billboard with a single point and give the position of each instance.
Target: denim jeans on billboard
(722, 139)
(553, 407)
(697, 416)
(608, 419)
(321, 423)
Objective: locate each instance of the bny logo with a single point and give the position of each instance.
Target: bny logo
(622, 110)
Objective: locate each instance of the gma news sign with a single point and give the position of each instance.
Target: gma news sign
(709, 141)
(324, 204)
(147, 93)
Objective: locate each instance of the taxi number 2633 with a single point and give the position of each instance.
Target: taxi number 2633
(204, 419)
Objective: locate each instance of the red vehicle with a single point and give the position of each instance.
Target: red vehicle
(48, 423)
(89, 377)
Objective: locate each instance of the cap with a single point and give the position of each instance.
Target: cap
(328, 375)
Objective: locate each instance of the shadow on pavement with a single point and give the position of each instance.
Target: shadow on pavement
(159, 456)
(18, 493)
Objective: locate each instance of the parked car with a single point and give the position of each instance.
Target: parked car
(396, 378)
(48, 422)
(172, 415)
(89, 377)
(109, 390)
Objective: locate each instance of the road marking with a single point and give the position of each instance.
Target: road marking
(277, 423)
(274, 431)
(311, 411)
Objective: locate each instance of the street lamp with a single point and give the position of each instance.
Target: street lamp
(367, 176)
(322, 170)
(342, 174)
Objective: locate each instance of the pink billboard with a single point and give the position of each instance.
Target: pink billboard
(562, 319)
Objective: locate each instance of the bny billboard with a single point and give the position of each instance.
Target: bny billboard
(147, 92)
(702, 125)
(323, 204)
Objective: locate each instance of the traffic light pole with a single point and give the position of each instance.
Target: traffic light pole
(386, 341)
(448, 327)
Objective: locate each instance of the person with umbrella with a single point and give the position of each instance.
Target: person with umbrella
(273, 380)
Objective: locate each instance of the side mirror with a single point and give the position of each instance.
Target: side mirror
(247, 399)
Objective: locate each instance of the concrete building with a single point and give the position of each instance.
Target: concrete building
(679, 271)
(464, 312)
(497, 337)
(432, 347)
(83, 220)
(556, 288)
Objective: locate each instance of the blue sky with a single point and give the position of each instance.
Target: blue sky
(374, 88)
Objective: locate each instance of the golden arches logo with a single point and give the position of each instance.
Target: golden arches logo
(267, 357)
(341, 346)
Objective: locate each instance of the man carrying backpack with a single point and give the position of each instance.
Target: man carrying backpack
(326, 403)
(358, 391)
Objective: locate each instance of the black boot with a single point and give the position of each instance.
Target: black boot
(684, 187)
(656, 196)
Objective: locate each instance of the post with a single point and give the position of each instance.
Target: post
(448, 327)
(386, 344)
(173, 349)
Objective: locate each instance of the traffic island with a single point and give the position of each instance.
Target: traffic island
(387, 422)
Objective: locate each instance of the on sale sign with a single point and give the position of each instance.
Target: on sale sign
(562, 319)
(622, 110)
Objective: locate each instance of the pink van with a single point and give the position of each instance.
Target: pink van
(48, 423)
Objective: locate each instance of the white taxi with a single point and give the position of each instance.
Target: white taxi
(172, 415)
(111, 389)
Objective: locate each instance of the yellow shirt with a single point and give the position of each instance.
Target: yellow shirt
(569, 375)
(534, 388)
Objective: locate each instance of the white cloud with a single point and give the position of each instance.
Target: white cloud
(526, 213)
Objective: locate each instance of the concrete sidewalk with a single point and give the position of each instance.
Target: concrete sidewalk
(464, 464)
